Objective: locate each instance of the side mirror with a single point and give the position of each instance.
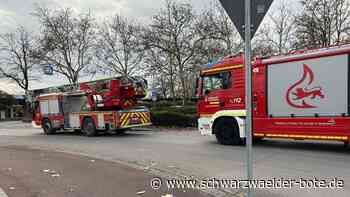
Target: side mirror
(226, 80)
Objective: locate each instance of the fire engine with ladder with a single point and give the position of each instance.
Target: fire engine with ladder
(304, 96)
(91, 107)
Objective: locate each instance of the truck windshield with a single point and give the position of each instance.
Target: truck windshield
(216, 81)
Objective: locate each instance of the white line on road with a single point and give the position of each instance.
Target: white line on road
(2, 193)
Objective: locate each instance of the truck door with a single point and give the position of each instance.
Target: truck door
(36, 114)
(259, 91)
(66, 108)
(215, 90)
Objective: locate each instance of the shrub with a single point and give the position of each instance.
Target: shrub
(173, 118)
(167, 113)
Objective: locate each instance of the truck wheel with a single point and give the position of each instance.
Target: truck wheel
(47, 127)
(227, 132)
(89, 128)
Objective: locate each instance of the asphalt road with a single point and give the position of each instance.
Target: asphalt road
(177, 153)
(40, 173)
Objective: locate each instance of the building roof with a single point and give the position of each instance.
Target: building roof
(10, 88)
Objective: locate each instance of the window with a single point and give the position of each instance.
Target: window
(48, 107)
(44, 107)
(54, 107)
(216, 82)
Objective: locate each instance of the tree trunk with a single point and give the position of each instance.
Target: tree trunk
(183, 87)
(27, 110)
(172, 88)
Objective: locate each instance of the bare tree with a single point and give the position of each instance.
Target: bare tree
(278, 34)
(341, 20)
(158, 65)
(161, 84)
(262, 47)
(172, 32)
(67, 41)
(120, 46)
(221, 39)
(314, 23)
(17, 63)
(322, 23)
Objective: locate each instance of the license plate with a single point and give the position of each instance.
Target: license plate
(134, 120)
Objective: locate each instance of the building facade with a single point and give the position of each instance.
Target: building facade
(11, 106)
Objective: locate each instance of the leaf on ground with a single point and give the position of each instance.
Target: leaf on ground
(168, 195)
(141, 192)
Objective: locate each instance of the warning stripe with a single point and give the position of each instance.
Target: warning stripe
(147, 116)
(126, 119)
(144, 117)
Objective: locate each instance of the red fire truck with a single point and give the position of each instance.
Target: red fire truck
(304, 95)
(93, 106)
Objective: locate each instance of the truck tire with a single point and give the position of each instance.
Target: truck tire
(89, 128)
(227, 132)
(47, 127)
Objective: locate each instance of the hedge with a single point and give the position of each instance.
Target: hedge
(169, 114)
(173, 118)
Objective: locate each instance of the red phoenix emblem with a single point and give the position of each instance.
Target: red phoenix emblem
(299, 94)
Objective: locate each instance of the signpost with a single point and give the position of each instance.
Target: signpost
(48, 70)
(247, 16)
(237, 11)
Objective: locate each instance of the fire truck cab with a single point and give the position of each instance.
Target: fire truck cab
(304, 95)
(221, 94)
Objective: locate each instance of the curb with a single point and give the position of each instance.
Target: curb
(2, 193)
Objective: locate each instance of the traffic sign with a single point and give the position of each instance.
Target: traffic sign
(48, 69)
(236, 11)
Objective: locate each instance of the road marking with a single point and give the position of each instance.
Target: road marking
(2, 193)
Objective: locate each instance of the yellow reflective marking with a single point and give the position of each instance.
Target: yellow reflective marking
(125, 121)
(147, 118)
(221, 69)
(206, 115)
(315, 137)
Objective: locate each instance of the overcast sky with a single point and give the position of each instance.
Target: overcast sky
(18, 12)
